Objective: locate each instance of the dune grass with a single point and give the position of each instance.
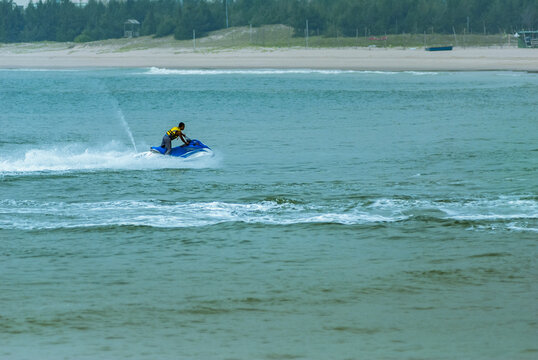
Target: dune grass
(274, 36)
(281, 36)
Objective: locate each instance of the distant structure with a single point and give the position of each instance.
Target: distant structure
(527, 39)
(131, 28)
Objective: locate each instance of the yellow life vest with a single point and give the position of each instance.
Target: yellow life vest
(173, 132)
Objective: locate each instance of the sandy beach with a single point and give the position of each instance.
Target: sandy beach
(107, 56)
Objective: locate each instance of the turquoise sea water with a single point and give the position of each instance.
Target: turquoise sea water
(344, 215)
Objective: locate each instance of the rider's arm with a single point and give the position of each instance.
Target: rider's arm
(182, 136)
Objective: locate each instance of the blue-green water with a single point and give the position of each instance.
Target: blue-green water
(344, 215)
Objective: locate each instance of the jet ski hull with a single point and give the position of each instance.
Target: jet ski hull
(184, 151)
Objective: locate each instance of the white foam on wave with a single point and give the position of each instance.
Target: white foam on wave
(518, 227)
(499, 209)
(520, 215)
(512, 74)
(504, 208)
(28, 215)
(67, 159)
(164, 71)
(421, 73)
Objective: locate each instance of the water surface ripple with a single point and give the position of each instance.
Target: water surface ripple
(344, 215)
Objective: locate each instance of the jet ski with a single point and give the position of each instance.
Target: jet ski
(185, 151)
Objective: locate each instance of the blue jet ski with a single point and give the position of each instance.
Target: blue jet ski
(184, 151)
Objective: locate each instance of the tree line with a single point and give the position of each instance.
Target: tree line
(63, 20)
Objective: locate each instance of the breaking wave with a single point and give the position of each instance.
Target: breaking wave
(164, 71)
(513, 214)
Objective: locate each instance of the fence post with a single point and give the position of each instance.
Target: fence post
(307, 33)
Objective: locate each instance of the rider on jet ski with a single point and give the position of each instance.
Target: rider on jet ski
(172, 134)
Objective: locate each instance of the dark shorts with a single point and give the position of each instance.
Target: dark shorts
(167, 144)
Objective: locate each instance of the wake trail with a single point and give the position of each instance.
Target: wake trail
(107, 157)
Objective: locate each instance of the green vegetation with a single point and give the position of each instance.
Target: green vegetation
(280, 36)
(330, 22)
(270, 37)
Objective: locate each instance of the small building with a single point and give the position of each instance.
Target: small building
(131, 28)
(527, 39)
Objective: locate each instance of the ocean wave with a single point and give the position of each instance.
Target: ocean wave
(519, 227)
(67, 159)
(501, 208)
(165, 71)
(421, 73)
(509, 214)
(28, 215)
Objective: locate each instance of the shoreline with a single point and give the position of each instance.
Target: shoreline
(56, 56)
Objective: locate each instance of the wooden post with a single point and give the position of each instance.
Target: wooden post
(226, 13)
(307, 33)
(194, 39)
(424, 39)
(290, 36)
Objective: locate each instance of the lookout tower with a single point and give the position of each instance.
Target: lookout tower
(131, 28)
